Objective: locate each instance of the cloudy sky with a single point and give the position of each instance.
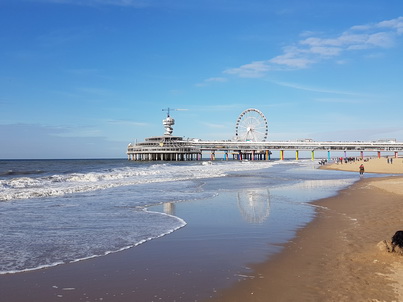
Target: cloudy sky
(83, 78)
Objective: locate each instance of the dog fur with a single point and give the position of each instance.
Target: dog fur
(397, 240)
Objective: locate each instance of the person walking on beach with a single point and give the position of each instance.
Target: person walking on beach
(362, 169)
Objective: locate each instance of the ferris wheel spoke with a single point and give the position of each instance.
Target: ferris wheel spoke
(260, 130)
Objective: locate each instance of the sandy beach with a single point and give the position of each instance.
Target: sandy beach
(383, 165)
(336, 257)
(340, 255)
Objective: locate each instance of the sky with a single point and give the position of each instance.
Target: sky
(84, 78)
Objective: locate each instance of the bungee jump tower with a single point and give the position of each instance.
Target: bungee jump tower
(164, 148)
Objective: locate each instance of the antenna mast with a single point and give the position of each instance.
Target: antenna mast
(169, 121)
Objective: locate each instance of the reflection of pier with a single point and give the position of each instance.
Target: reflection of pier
(169, 208)
(249, 143)
(254, 205)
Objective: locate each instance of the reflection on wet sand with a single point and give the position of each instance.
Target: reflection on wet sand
(169, 208)
(254, 205)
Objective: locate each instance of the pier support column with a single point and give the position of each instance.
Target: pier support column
(267, 155)
(313, 155)
(379, 154)
(282, 154)
(328, 155)
(253, 155)
(296, 155)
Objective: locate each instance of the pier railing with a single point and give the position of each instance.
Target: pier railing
(296, 145)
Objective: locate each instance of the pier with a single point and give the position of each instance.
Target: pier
(247, 145)
(262, 150)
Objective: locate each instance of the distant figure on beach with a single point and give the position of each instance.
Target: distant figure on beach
(362, 169)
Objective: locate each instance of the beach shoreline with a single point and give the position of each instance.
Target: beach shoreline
(339, 256)
(334, 257)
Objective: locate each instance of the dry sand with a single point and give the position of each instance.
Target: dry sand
(337, 257)
(371, 165)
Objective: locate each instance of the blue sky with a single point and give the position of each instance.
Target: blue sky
(83, 78)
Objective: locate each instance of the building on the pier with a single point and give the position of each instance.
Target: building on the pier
(164, 148)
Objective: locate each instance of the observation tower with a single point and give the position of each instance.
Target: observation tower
(164, 148)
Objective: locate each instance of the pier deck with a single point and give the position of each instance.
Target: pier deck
(250, 150)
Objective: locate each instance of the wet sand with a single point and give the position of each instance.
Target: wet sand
(337, 257)
(190, 264)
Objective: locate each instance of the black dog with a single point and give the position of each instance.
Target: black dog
(397, 240)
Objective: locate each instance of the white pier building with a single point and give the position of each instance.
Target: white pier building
(164, 148)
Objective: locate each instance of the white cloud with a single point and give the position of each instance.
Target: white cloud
(316, 89)
(396, 24)
(338, 100)
(382, 39)
(326, 51)
(315, 48)
(293, 57)
(212, 80)
(290, 61)
(217, 79)
(253, 70)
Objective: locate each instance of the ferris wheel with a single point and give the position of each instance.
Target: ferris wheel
(251, 125)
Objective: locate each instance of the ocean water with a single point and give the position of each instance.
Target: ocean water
(60, 211)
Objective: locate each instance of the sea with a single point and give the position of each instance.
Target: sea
(54, 212)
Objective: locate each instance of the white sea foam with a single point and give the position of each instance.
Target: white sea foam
(39, 232)
(61, 184)
(94, 243)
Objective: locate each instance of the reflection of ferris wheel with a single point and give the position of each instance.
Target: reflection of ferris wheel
(251, 125)
(254, 205)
